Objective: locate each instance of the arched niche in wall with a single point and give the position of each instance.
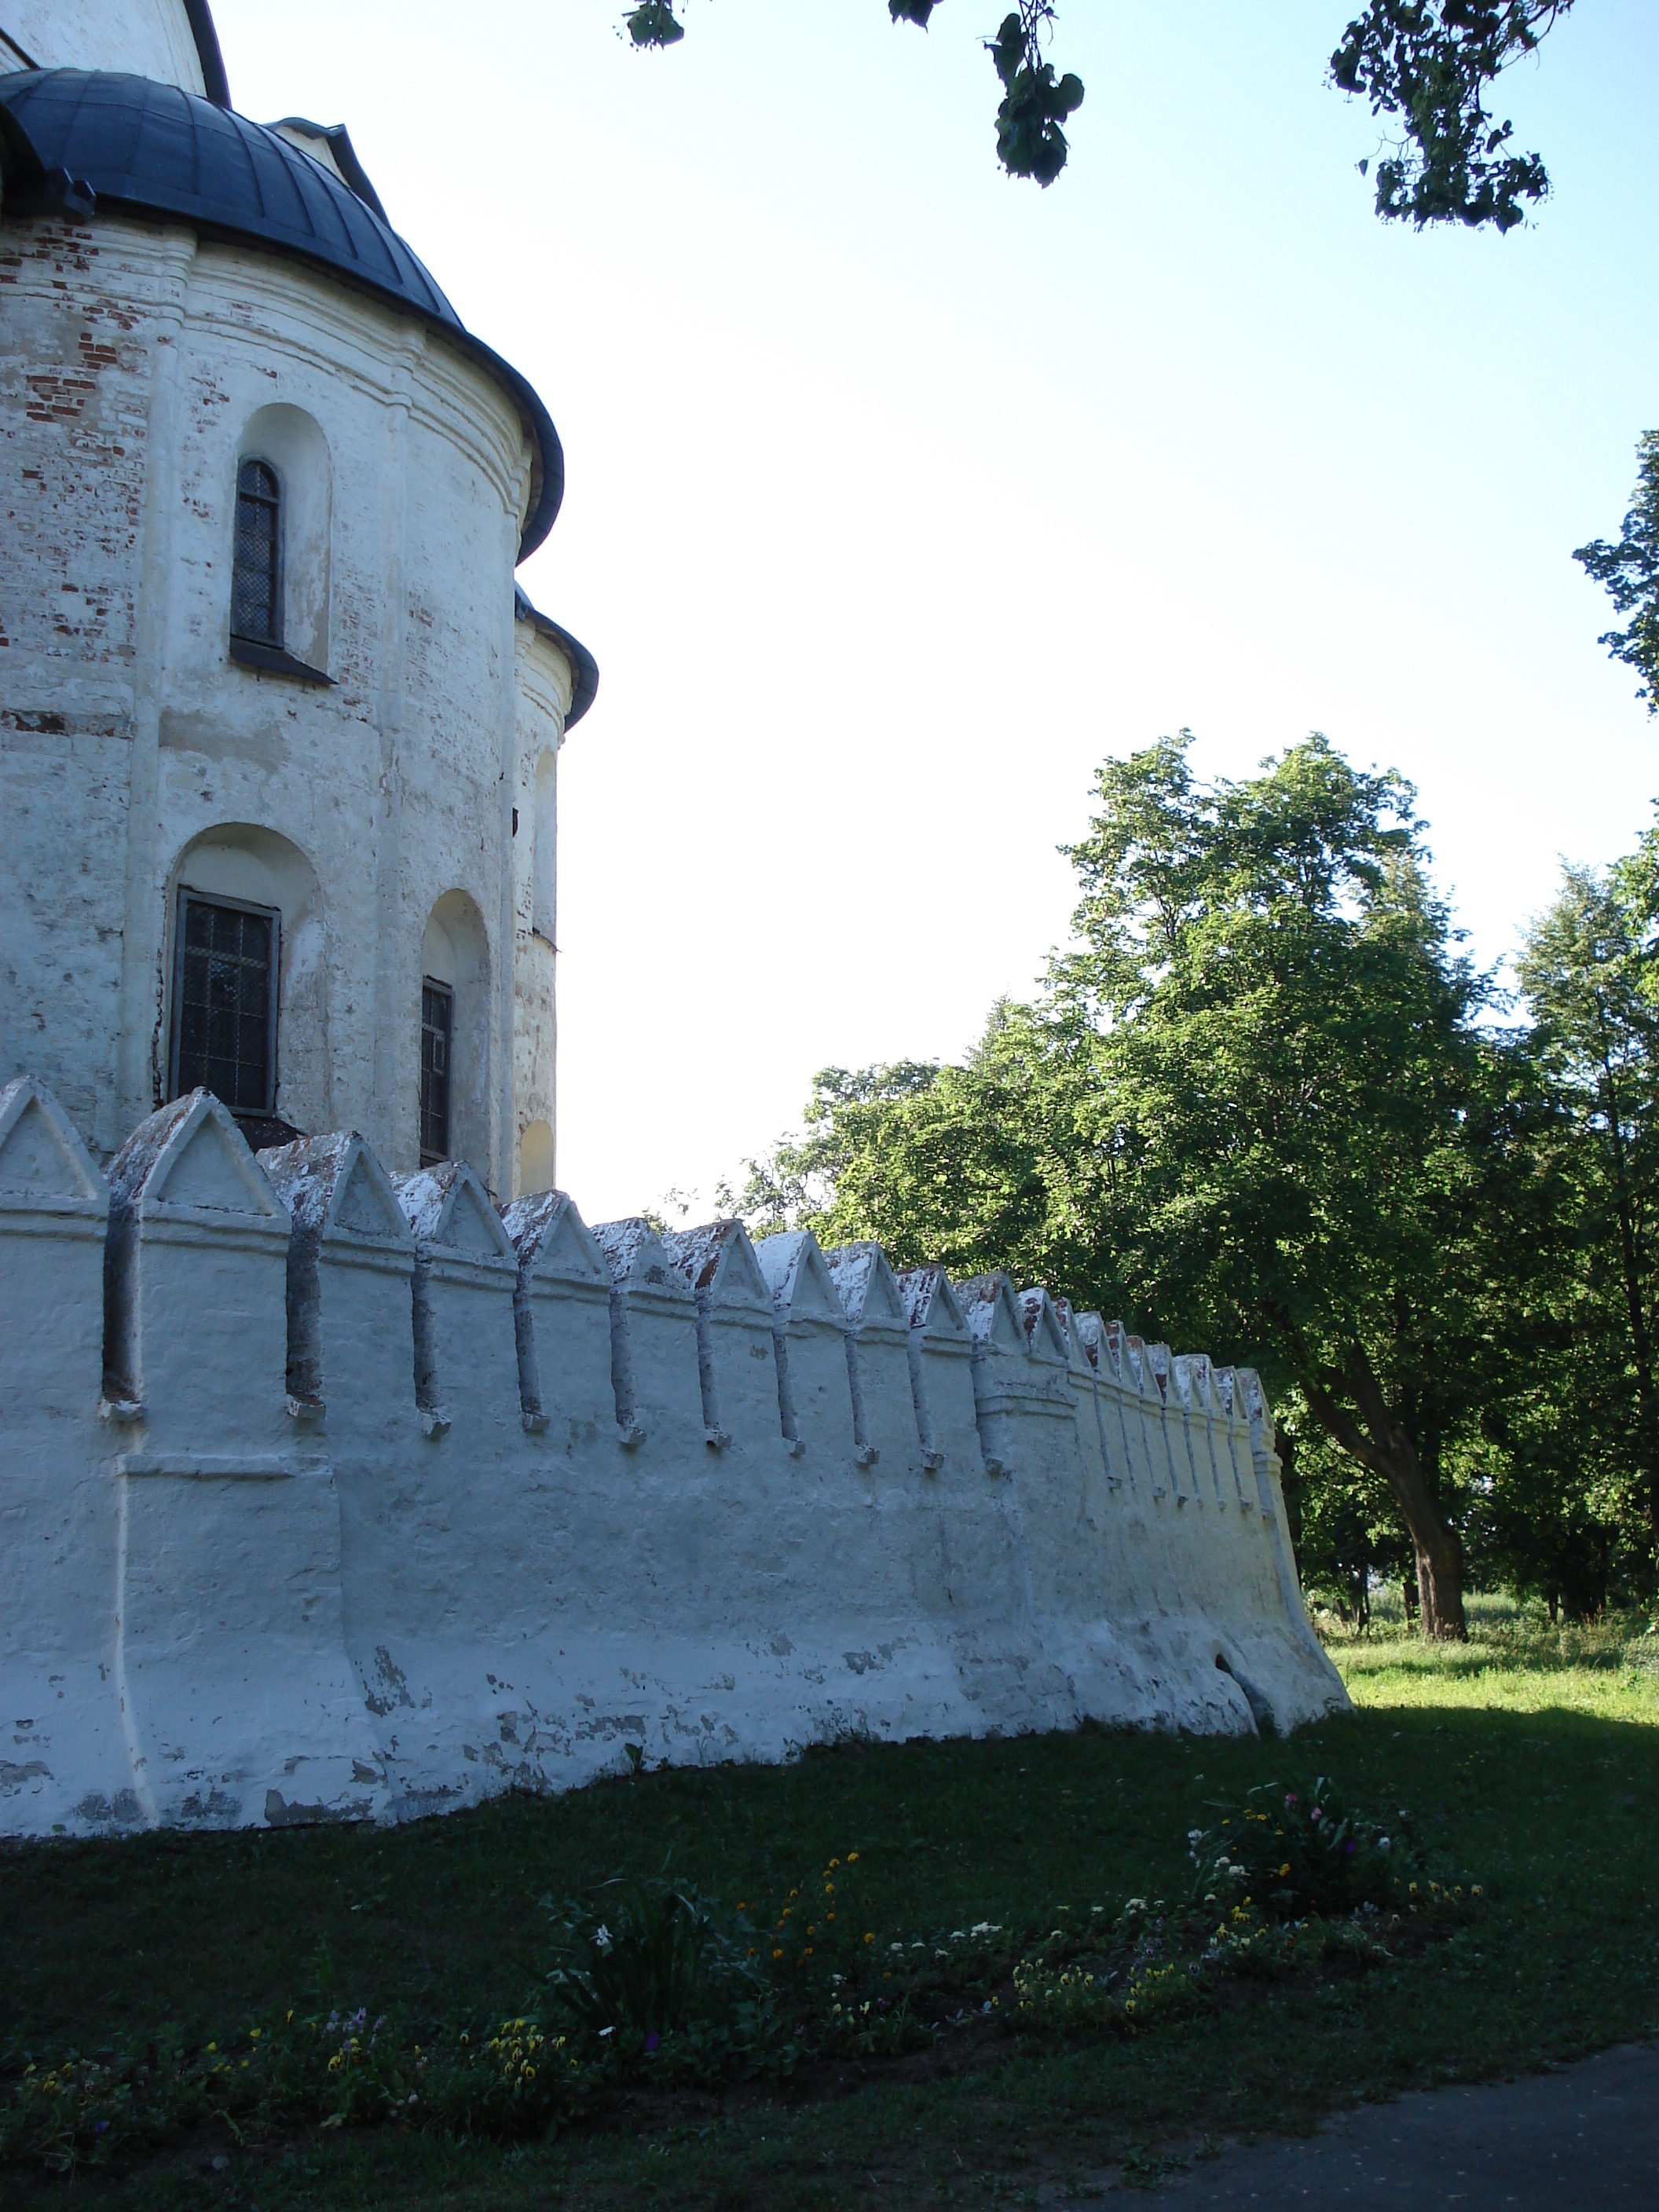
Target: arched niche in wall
(536, 1160)
(244, 865)
(544, 859)
(293, 444)
(455, 954)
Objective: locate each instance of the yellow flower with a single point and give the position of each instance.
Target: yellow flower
(778, 1953)
(869, 1938)
(254, 2033)
(852, 1858)
(212, 2046)
(1285, 1868)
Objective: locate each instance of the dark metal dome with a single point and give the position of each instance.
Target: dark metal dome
(85, 140)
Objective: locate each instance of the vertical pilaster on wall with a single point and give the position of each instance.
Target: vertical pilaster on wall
(940, 1350)
(560, 1322)
(141, 1050)
(653, 1338)
(878, 1358)
(466, 1275)
(809, 1333)
(735, 1352)
(998, 1336)
(503, 1178)
(397, 933)
(238, 1700)
(66, 1769)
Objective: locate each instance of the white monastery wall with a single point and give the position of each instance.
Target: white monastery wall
(137, 367)
(339, 1495)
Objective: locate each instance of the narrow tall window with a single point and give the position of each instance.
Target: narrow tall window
(256, 594)
(224, 1002)
(437, 1026)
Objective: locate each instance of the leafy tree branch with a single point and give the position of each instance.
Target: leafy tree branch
(1427, 64)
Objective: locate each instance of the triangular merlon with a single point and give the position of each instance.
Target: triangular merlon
(334, 1184)
(933, 1306)
(449, 1213)
(190, 1153)
(799, 1281)
(718, 1263)
(553, 1243)
(866, 1286)
(637, 1259)
(1045, 1333)
(989, 1309)
(41, 1154)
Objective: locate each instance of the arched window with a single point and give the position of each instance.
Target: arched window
(256, 589)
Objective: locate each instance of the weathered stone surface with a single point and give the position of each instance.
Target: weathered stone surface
(389, 1500)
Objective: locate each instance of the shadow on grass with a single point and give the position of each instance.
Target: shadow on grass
(1550, 1808)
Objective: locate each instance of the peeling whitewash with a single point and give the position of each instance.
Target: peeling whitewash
(329, 1494)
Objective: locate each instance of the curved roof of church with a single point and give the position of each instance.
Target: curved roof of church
(584, 669)
(83, 139)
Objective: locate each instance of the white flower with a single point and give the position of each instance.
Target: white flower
(602, 1942)
(988, 1928)
(1381, 1842)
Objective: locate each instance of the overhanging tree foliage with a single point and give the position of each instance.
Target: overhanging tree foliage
(1428, 64)
(1630, 573)
(1425, 64)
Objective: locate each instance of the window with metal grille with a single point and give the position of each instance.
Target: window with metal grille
(437, 1027)
(256, 584)
(224, 1002)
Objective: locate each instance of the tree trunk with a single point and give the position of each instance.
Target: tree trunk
(1383, 1445)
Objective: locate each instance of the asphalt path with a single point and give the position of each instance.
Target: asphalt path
(1582, 2135)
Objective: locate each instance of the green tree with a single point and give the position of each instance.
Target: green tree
(1630, 573)
(989, 1165)
(1244, 1109)
(1290, 1057)
(1596, 1042)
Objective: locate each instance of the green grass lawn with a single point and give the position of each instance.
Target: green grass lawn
(1529, 1760)
(1513, 1661)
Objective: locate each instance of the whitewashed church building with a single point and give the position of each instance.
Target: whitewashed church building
(345, 1473)
(280, 735)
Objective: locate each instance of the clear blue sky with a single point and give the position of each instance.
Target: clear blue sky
(901, 494)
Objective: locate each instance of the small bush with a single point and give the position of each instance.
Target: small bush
(1297, 1852)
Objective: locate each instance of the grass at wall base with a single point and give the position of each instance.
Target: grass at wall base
(1528, 1761)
